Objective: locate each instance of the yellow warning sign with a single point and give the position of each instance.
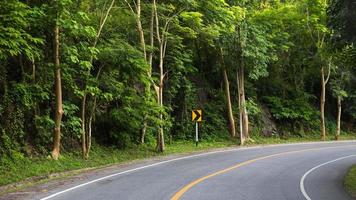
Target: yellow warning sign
(197, 115)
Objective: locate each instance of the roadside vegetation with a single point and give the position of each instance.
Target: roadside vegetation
(350, 181)
(91, 83)
(39, 169)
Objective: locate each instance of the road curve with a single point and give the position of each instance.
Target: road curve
(277, 172)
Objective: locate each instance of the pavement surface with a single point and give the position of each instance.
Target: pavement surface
(276, 172)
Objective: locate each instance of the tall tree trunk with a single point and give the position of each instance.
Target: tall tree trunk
(137, 13)
(322, 105)
(228, 96)
(240, 76)
(162, 45)
(338, 127)
(33, 69)
(238, 81)
(87, 124)
(87, 137)
(160, 141)
(150, 54)
(243, 110)
(324, 81)
(83, 118)
(244, 126)
(245, 121)
(58, 95)
(88, 142)
(139, 28)
(144, 130)
(150, 60)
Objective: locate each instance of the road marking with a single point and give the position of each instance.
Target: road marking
(136, 169)
(188, 157)
(301, 183)
(183, 190)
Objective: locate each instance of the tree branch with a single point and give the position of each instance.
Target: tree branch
(329, 71)
(103, 22)
(132, 10)
(311, 33)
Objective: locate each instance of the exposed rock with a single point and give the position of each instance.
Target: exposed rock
(268, 125)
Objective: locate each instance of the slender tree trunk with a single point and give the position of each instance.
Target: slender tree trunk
(244, 135)
(144, 130)
(322, 105)
(87, 136)
(58, 94)
(338, 128)
(139, 28)
(238, 80)
(88, 142)
(240, 76)
(162, 44)
(87, 126)
(33, 69)
(243, 103)
(84, 141)
(137, 13)
(150, 60)
(150, 55)
(161, 146)
(244, 126)
(35, 108)
(228, 97)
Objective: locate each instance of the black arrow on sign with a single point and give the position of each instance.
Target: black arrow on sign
(197, 115)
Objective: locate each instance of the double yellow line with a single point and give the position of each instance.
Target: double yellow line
(183, 190)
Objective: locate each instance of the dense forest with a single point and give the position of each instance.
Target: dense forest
(121, 73)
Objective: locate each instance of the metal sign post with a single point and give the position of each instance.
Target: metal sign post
(196, 134)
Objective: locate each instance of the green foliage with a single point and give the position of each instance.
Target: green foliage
(350, 181)
(291, 110)
(12, 168)
(71, 123)
(15, 19)
(44, 125)
(214, 127)
(281, 44)
(257, 57)
(253, 109)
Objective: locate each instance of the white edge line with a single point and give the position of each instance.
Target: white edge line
(301, 183)
(139, 168)
(182, 158)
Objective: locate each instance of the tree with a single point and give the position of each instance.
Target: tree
(124, 73)
(342, 77)
(87, 124)
(228, 96)
(340, 15)
(316, 22)
(136, 11)
(162, 39)
(252, 60)
(219, 20)
(18, 47)
(58, 90)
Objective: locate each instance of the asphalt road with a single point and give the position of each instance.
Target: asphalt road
(280, 172)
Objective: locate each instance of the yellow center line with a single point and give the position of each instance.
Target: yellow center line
(181, 192)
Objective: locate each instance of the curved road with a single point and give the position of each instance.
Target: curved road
(277, 172)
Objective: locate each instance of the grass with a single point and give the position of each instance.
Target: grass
(350, 181)
(20, 168)
(307, 138)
